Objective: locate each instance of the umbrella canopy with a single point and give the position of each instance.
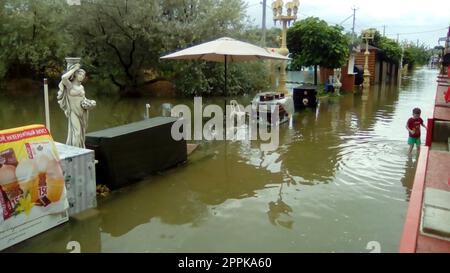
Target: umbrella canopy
(225, 50)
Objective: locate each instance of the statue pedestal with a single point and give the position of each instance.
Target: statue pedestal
(79, 171)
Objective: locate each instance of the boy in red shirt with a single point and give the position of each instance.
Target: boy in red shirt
(413, 127)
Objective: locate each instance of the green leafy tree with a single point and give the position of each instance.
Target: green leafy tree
(391, 51)
(273, 36)
(121, 41)
(33, 41)
(117, 39)
(416, 55)
(313, 42)
(3, 66)
(211, 19)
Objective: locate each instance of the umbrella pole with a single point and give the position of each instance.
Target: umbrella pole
(226, 75)
(225, 88)
(225, 102)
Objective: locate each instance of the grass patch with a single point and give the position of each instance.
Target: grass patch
(321, 93)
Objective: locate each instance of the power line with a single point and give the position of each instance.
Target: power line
(419, 32)
(400, 33)
(346, 19)
(261, 3)
(252, 5)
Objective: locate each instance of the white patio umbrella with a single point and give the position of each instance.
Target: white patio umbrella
(225, 50)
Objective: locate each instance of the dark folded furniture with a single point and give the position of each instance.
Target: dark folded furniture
(128, 153)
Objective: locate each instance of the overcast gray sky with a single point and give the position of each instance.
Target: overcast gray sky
(412, 19)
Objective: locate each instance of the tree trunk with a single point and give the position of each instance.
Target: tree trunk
(315, 74)
(131, 92)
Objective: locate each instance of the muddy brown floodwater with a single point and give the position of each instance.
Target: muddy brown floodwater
(340, 179)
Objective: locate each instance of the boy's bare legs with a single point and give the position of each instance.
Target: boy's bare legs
(411, 148)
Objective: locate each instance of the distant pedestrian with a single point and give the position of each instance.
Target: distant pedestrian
(413, 127)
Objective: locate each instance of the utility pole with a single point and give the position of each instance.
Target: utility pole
(351, 59)
(353, 27)
(264, 15)
(384, 30)
(398, 37)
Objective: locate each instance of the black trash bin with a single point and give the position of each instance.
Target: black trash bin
(305, 96)
(359, 74)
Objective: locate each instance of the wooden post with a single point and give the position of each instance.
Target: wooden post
(47, 107)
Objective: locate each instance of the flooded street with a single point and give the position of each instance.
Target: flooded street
(340, 179)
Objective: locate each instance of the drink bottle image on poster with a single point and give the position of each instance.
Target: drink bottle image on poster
(31, 178)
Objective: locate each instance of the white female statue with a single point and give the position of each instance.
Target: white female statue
(72, 100)
(337, 81)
